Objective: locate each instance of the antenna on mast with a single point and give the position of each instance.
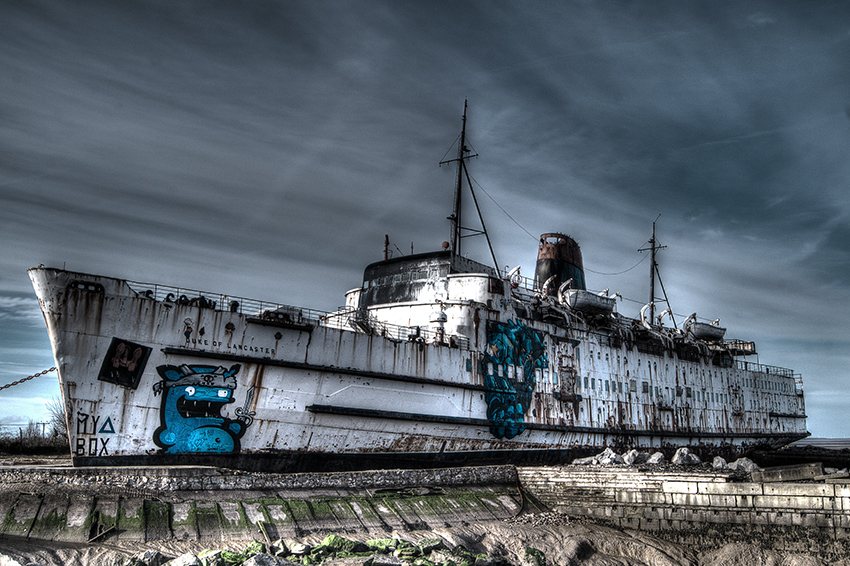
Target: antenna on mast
(457, 228)
(653, 271)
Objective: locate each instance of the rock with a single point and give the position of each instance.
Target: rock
(279, 548)
(299, 549)
(656, 458)
(684, 457)
(349, 561)
(335, 544)
(533, 557)
(212, 558)
(633, 457)
(187, 559)
(609, 458)
(387, 545)
(426, 546)
(743, 465)
(263, 559)
(386, 560)
(719, 463)
(605, 458)
(444, 557)
(148, 558)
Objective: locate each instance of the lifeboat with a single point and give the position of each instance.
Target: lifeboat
(704, 331)
(587, 302)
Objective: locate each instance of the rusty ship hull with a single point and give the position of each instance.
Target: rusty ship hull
(435, 360)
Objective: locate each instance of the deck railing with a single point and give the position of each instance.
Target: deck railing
(357, 319)
(346, 319)
(761, 368)
(221, 302)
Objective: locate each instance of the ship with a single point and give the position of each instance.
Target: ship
(435, 360)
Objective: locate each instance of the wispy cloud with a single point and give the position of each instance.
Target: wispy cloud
(17, 308)
(264, 149)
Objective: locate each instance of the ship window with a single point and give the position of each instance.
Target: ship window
(633, 386)
(538, 373)
(593, 383)
(585, 383)
(678, 391)
(657, 392)
(606, 357)
(489, 369)
(511, 372)
(606, 386)
(598, 355)
(688, 392)
(397, 278)
(554, 378)
(644, 387)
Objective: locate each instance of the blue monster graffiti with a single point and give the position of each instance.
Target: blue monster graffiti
(508, 399)
(192, 399)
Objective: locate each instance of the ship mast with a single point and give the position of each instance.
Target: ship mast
(457, 228)
(653, 271)
(456, 211)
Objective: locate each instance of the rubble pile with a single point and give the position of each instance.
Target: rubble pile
(683, 458)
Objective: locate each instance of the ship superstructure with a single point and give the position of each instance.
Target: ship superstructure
(435, 359)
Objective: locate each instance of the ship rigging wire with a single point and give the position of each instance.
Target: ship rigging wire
(618, 272)
(535, 237)
(502, 209)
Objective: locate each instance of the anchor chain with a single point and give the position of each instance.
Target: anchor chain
(27, 378)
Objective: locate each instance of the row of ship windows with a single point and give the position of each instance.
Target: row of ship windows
(400, 278)
(516, 372)
(753, 383)
(653, 365)
(511, 372)
(617, 387)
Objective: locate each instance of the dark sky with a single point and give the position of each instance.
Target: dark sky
(263, 149)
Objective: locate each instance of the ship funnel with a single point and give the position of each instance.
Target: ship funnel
(558, 260)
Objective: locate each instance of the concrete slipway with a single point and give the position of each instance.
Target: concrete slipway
(701, 509)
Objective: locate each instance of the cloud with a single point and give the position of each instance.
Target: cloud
(760, 19)
(20, 309)
(264, 149)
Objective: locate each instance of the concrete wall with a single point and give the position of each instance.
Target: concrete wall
(704, 510)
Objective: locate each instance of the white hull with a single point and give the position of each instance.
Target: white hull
(304, 392)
